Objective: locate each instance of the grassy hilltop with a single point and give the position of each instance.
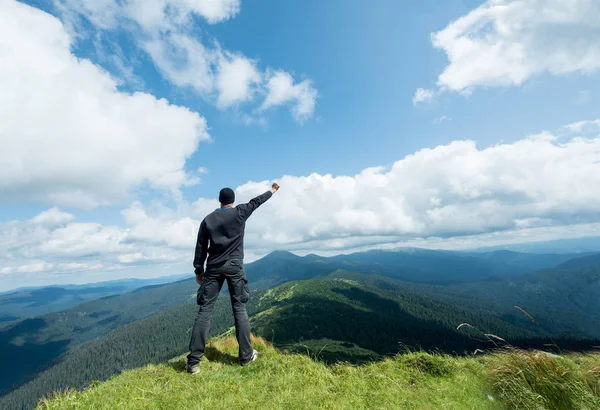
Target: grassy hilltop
(281, 380)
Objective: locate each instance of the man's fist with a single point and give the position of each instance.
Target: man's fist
(274, 187)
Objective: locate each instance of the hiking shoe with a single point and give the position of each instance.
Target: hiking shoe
(254, 357)
(192, 369)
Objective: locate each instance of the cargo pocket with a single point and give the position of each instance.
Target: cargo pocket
(245, 291)
(200, 294)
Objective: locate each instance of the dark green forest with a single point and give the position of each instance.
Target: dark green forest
(33, 344)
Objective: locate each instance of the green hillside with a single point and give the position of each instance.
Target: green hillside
(507, 380)
(383, 322)
(348, 317)
(564, 301)
(154, 339)
(33, 344)
(343, 315)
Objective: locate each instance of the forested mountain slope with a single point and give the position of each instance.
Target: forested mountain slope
(351, 317)
(382, 314)
(29, 302)
(30, 345)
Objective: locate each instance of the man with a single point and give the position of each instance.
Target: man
(224, 230)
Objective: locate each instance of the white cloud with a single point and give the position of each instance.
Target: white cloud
(229, 79)
(164, 227)
(6, 271)
(282, 90)
(68, 136)
(451, 196)
(53, 217)
(162, 29)
(423, 96)
(161, 15)
(236, 80)
(451, 190)
(33, 267)
(214, 10)
(184, 61)
(506, 42)
(36, 246)
(168, 14)
(590, 127)
(441, 119)
(76, 266)
(103, 14)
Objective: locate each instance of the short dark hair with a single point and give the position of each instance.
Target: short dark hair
(226, 196)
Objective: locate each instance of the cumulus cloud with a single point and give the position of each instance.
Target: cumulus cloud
(66, 246)
(236, 80)
(53, 245)
(506, 42)
(150, 14)
(449, 191)
(184, 61)
(168, 14)
(282, 90)
(230, 79)
(161, 29)
(423, 96)
(455, 195)
(53, 217)
(68, 136)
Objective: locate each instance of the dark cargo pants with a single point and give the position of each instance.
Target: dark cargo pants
(233, 272)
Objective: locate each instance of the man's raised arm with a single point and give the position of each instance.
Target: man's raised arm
(247, 209)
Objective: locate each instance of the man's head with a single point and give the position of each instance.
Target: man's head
(226, 196)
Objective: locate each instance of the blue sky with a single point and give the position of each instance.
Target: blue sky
(495, 73)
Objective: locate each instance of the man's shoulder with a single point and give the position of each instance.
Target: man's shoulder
(219, 213)
(208, 217)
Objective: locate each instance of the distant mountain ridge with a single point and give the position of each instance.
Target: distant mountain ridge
(561, 246)
(24, 303)
(410, 265)
(125, 282)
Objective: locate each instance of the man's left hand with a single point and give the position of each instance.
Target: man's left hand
(199, 277)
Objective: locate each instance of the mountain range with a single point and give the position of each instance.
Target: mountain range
(356, 308)
(28, 302)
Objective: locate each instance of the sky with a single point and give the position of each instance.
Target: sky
(447, 125)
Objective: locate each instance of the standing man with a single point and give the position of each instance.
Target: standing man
(221, 238)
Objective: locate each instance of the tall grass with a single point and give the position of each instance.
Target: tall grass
(533, 380)
(537, 380)
(507, 378)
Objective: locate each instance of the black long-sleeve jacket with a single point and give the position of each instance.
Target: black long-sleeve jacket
(224, 230)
